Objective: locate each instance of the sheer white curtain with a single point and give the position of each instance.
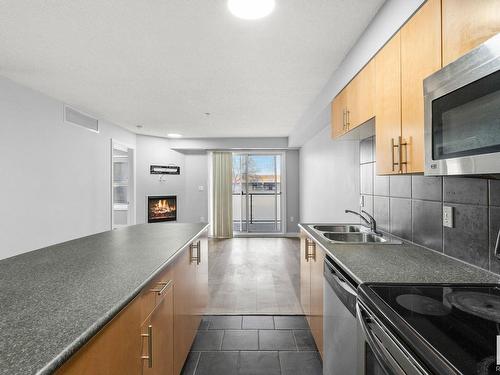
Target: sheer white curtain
(221, 205)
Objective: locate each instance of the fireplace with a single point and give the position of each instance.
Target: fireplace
(162, 208)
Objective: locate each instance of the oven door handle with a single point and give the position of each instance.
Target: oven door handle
(369, 337)
(390, 354)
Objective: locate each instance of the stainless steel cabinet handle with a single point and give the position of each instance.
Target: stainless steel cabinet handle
(196, 258)
(165, 286)
(348, 121)
(401, 162)
(393, 146)
(343, 119)
(149, 336)
(310, 244)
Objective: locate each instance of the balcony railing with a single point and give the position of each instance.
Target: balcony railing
(261, 207)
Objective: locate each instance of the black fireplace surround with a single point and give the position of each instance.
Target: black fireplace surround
(162, 208)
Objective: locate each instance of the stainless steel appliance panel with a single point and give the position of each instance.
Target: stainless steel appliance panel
(339, 324)
(462, 114)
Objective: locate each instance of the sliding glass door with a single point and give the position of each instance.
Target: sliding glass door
(257, 192)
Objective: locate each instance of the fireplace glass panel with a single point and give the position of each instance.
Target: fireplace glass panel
(162, 208)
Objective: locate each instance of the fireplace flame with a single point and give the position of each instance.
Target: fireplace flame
(163, 206)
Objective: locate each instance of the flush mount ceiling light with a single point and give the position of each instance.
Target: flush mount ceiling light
(174, 135)
(251, 9)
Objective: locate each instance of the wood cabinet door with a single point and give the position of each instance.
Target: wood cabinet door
(420, 57)
(115, 350)
(388, 105)
(316, 323)
(184, 283)
(338, 115)
(305, 277)
(201, 287)
(190, 297)
(467, 24)
(160, 325)
(361, 97)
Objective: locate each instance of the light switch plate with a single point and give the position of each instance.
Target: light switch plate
(448, 216)
(201, 188)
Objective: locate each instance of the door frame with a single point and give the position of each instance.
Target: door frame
(132, 194)
(283, 187)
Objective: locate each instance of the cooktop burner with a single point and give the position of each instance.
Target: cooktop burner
(422, 304)
(447, 325)
(483, 305)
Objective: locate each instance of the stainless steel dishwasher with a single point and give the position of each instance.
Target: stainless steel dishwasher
(339, 326)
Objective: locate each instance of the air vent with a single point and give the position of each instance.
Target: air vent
(72, 116)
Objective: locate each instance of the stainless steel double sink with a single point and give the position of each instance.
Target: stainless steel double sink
(351, 234)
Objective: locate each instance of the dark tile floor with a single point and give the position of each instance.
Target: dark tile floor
(253, 345)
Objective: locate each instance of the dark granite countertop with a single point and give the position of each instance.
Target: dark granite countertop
(403, 263)
(54, 299)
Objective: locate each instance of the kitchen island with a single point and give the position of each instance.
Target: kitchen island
(54, 300)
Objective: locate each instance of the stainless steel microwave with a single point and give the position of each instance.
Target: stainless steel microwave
(462, 114)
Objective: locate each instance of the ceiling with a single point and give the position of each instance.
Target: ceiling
(163, 64)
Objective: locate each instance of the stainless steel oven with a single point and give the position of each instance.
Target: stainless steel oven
(380, 352)
(462, 114)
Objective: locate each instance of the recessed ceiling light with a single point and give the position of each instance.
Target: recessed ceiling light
(174, 135)
(251, 9)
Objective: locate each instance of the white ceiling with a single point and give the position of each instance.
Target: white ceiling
(164, 63)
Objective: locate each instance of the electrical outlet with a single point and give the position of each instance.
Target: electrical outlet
(292, 219)
(448, 216)
(202, 219)
(201, 188)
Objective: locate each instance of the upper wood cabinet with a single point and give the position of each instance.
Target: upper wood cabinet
(354, 105)
(388, 106)
(420, 57)
(401, 66)
(338, 115)
(361, 96)
(467, 24)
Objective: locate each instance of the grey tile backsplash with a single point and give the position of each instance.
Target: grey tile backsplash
(411, 207)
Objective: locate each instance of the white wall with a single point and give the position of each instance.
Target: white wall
(391, 16)
(54, 177)
(292, 190)
(154, 150)
(329, 179)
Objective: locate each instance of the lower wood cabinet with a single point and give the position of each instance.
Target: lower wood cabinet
(115, 350)
(157, 334)
(311, 286)
(154, 333)
(187, 307)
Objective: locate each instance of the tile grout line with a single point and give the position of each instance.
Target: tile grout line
(295, 340)
(197, 363)
(222, 341)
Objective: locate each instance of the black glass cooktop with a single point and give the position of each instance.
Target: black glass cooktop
(457, 323)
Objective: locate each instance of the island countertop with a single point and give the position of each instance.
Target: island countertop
(53, 300)
(398, 263)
